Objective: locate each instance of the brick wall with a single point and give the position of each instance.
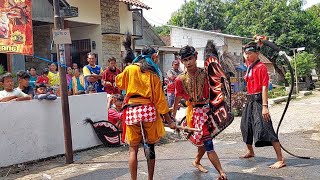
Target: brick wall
(110, 23)
(111, 46)
(41, 44)
(110, 19)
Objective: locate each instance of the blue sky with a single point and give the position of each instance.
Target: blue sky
(162, 9)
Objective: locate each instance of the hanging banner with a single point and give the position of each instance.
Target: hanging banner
(16, 27)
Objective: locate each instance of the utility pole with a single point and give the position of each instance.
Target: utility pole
(296, 50)
(296, 74)
(63, 86)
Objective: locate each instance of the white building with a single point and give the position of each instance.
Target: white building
(181, 36)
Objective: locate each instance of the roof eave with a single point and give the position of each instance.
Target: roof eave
(136, 3)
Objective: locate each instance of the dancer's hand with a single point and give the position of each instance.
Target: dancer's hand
(173, 125)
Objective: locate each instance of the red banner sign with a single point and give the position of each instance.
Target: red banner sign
(16, 27)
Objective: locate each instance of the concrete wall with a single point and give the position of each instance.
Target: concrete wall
(234, 46)
(88, 12)
(167, 62)
(182, 37)
(198, 39)
(126, 21)
(32, 130)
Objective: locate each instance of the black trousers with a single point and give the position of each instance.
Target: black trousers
(253, 127)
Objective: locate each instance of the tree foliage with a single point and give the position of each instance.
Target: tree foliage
(285, 21)
(305, 63)
(162, 30)
(200, 14)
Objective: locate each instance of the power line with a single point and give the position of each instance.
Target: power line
(154, 21)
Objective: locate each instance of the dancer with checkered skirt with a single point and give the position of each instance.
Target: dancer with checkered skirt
(193, 86)
(145, 103)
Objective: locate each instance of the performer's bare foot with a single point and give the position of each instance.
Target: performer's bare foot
(222, 176)
(247, 155)
(200, 167)
(278, 165)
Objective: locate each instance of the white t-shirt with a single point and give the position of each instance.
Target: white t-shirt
(15, 92)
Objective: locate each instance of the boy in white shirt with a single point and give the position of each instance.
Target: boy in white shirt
(9, 93)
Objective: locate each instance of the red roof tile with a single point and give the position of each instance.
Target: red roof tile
(136, 3)
(166, 39)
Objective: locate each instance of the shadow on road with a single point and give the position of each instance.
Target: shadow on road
(247, 176)
(231, 175)
(102, 174)
(258, 161)
(140, 160)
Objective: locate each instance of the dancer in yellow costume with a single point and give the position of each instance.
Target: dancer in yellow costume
(145, 102)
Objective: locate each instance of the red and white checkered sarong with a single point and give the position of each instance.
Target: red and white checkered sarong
(145, 113)
(199, 118)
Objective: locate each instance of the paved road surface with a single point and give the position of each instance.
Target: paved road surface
(300, 133)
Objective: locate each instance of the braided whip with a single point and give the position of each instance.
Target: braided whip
(263, 41)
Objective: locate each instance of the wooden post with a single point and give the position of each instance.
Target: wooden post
(63, 87)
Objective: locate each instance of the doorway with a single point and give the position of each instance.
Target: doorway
(4, 61)
(79, 51)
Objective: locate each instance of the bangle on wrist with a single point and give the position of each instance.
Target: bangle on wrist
(265, 105)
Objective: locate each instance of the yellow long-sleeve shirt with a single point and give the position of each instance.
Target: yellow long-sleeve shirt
(147, 85)
(54, 78)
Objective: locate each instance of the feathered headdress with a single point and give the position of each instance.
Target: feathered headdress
(129, 56)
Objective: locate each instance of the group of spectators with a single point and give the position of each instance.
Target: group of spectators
(30, 86)
(90, 79)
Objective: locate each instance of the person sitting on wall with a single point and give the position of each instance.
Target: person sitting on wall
(10, 93)
(41, 93)
(91, 90)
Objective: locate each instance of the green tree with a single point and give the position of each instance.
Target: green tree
(162, 30)
(200, 14)
(186, 16)
(285, 21)
(315, 12)
(305, 63)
